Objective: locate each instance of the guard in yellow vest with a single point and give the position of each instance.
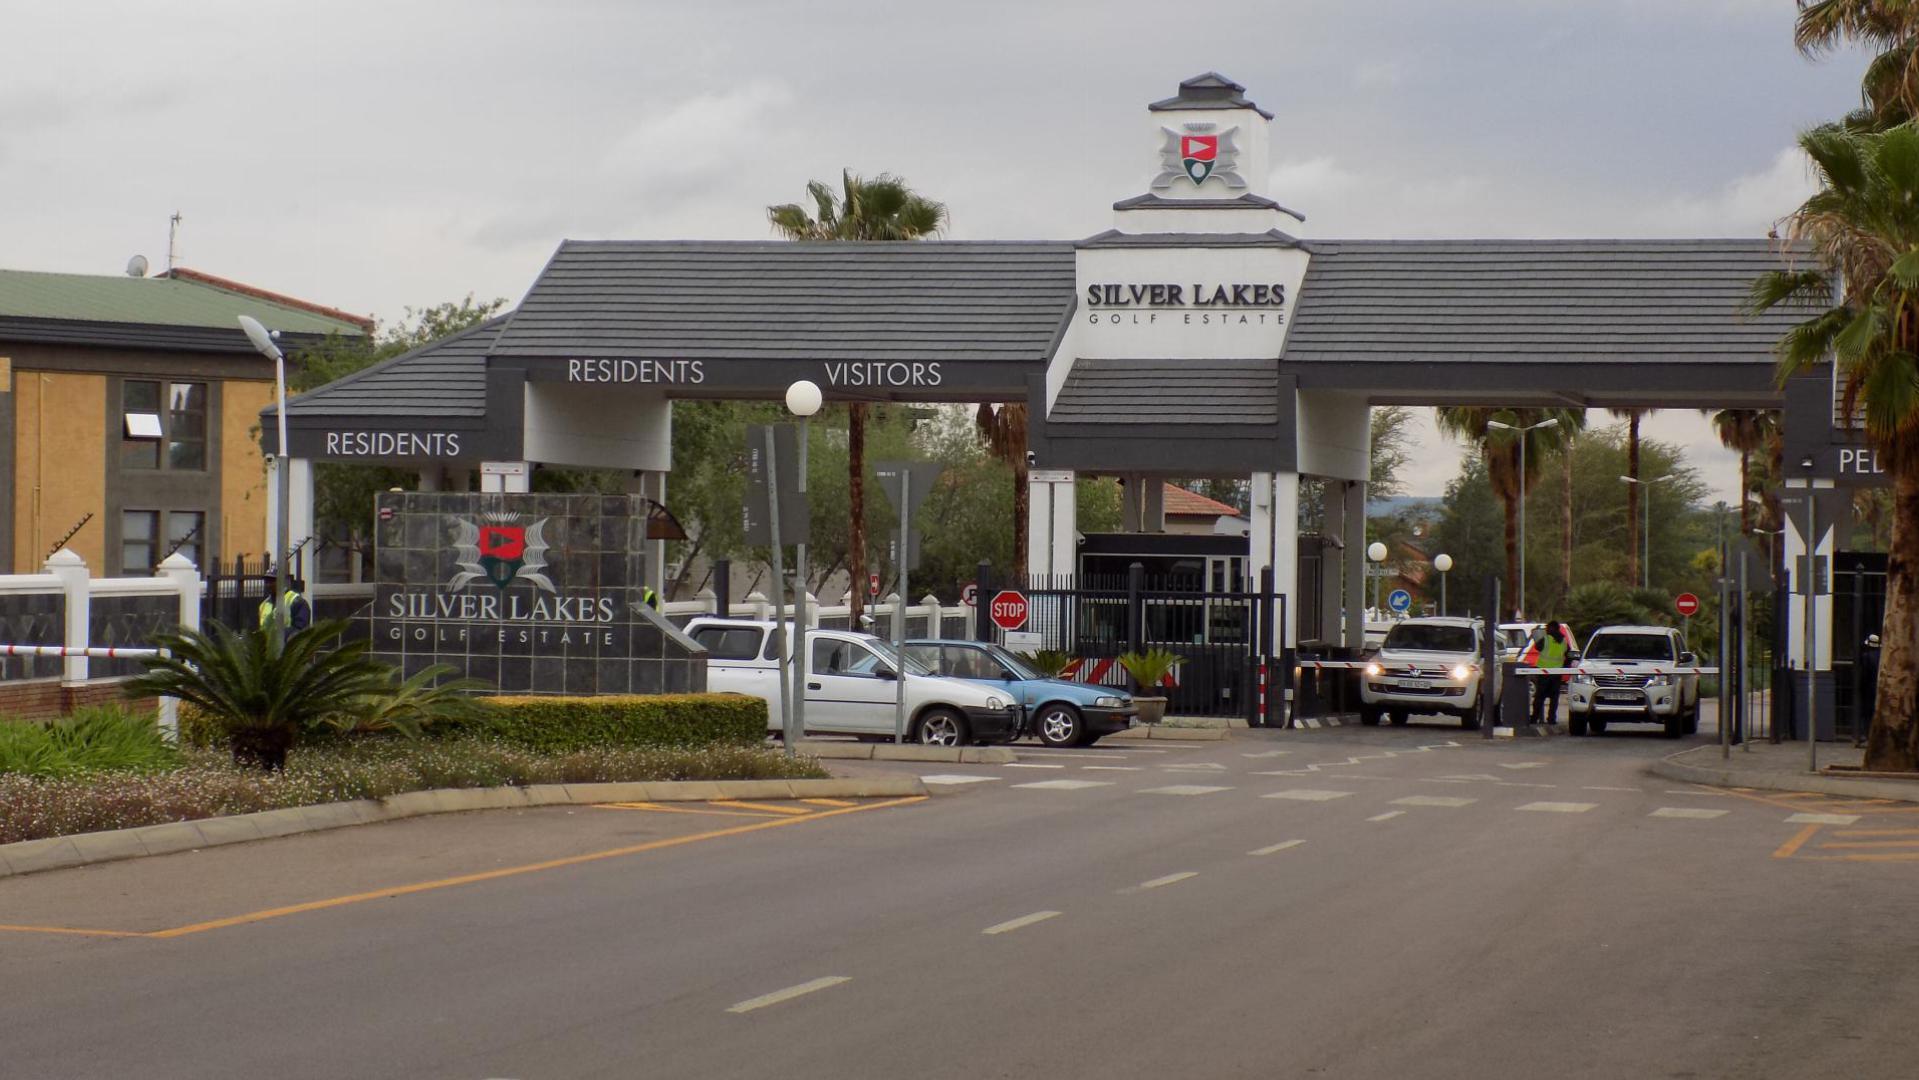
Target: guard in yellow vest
(293, 608)
(649, 597)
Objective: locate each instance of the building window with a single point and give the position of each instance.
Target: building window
(147, 537)
(164, 425)
(138, 531)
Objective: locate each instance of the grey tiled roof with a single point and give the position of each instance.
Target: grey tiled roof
(1249, 201)
(1113, 238)
(444, 379)
(1138, 391)
(771, 300)
(1647, 301)
(1208, 91)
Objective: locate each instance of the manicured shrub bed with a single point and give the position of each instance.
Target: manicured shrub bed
(558, 724)
(209, 784)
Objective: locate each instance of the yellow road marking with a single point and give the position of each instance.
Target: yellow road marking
(1875, 844)
(1876, 832)
(659, 809)
(1903, 856)
(1787, 850)
(829, 802)
(470, 879)
(770, 808)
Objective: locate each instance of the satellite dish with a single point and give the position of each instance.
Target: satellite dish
(137, 266)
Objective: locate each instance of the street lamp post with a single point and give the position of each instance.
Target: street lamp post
(1645, 525)
(263, 341)
(802, 400)
(1376, 551)
(1522, 432)
(1442, 563)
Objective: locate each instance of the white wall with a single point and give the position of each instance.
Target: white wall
(1335, 435)
(1186, 331)
(598, 427)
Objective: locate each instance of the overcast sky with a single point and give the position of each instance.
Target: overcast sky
(376, 156)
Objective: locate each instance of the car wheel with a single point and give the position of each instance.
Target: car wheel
(1598, 726)
(1369, 717)
(1675, 725)
(1401, 717)
(1469, 720)
(1575, 724)
(1059, 725)
(941, 727)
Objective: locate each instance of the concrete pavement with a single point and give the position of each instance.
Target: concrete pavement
(1370, 903)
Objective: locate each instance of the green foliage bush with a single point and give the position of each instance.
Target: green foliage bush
(99, 739)
(1150, 668)
(1048, 662)
(558, 724)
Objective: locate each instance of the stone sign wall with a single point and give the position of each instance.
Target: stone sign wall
(533, 593)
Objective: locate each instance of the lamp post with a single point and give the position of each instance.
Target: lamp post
(1442, 563)
(1376, 552)
(1551, 421)
(802, 400)
(1645, 525)
(263, 341)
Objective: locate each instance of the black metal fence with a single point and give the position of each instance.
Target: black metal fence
(235, 591)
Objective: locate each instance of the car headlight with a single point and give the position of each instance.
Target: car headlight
(995, 703)
(1581, 678)
(1374, 670)
(1659, 680)
(1108, 703)
(1462, 672)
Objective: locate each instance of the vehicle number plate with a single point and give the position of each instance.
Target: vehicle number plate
(1415, 684)
(1619, 695)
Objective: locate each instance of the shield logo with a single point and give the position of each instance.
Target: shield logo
(1197, 155)
(502, 551)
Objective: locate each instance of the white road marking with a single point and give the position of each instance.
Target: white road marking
(1169, 879)
(1559, 807)
(1030, 765)
(1522, 764)
(1110, 755)
(1281, 846)
(788, 994)
(1022, 921)
(1182, 789)
(1064, 785)
(1267, 753)
(1823, 819)
(1687, 812)
(1387, 816)
(1113, 768)
(956, 778)
(1713, 794)
(1433, 800)
(1602, 787)
(1307, 795)
(1201, 766)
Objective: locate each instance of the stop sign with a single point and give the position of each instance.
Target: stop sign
(1687, 604)
(1008, 609)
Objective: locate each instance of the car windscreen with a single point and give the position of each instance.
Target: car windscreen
(891, 656)
(1021, 669)
(729, 642)
(1430, 637)
(1629, 647)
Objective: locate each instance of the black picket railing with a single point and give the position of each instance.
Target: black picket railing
(234, 592)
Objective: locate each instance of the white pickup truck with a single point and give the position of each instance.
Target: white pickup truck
(851, 683)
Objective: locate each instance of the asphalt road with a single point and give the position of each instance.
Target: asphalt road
(1343, 903)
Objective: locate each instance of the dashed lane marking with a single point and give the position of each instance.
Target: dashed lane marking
(1267, 754)
(1708, 794)
(1204, 766)
(1063, 785)
(1183, 789)
(1692, 812)
(1020, 923)
(1032, 765)
(1823, 819)
(1387, 816)
(1522, 764)
(1169, 879)
(1307, 795)
(957, 778)
(1559, 807)
(788, 994)
(1433, 800)
(1602, 787)
(1113, 768)
(1276, 848)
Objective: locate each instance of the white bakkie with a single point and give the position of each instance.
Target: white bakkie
(1636, 675)
(851, 684)
(1427, 665)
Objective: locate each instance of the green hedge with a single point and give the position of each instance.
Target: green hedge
(560, 724)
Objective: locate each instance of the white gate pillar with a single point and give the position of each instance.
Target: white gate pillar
(1274, 542)
(1052, 531)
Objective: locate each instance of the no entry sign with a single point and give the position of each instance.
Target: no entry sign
(1008, 610)
(970, 595)
(1686, 604)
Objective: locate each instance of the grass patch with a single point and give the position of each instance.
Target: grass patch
(207, 783)
(97, 739)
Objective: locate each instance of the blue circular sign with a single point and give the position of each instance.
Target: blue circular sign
(1399, 600)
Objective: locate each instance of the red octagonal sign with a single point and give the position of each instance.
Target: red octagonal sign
(1009, 609)
(1686, 604)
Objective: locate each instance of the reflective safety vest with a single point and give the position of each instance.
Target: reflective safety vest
(266, 607)
(650, 598)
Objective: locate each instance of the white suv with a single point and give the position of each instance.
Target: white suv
(1425, 666)
(1620, 679)
(851, 684)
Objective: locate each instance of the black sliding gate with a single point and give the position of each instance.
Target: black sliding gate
(1225, 639)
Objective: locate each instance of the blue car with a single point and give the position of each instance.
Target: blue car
(1057, 712)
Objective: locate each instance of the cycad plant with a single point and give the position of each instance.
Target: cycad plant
(264, 690)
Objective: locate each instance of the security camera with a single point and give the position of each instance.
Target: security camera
(1032, 459)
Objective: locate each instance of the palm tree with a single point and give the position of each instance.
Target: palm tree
(1861, 290)
(1745, 431)
(1633, 522)
(1500, 448)
(1003, 430)
(880, 208)
(1890, 89)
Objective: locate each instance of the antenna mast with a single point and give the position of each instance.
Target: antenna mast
(173, 236)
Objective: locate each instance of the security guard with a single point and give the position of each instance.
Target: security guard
(298, 613)
(649, 597)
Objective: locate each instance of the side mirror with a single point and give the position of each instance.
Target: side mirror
(1572, 656)
(885, 673)
(1687, 659)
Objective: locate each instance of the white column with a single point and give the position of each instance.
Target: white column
(1354, 594)
(506, 476)
(179, 570)
(430, 478)
(1152, 513)
(71, 569)
(300, 518)
(273, 508)
(1275, 542)
(656, 549)
(1795, 546)
(1052, 532)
